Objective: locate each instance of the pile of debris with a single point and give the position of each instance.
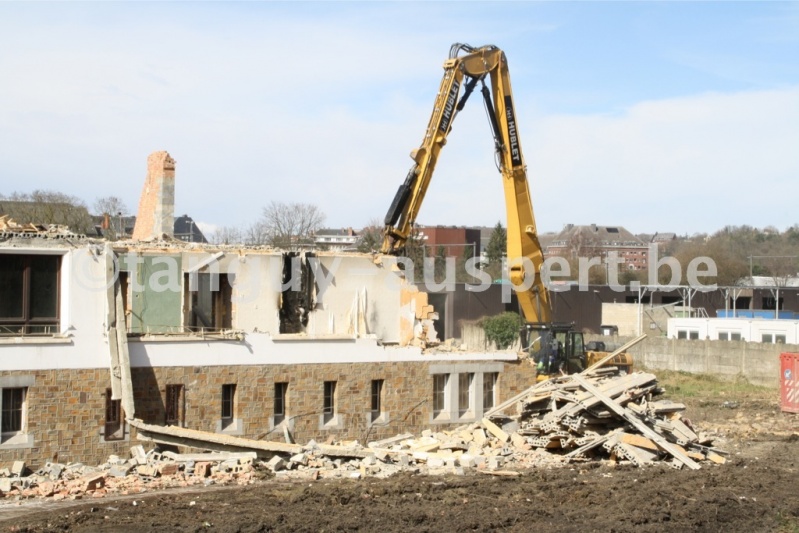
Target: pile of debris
(10, 229)
(616, 417)
(584, 417)
(142, 472)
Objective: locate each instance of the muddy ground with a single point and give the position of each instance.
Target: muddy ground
(757, 490)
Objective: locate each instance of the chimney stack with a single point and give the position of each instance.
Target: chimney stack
(156, 216)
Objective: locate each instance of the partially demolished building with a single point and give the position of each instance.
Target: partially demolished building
(97, 338)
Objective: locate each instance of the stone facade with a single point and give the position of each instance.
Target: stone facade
(66, 408)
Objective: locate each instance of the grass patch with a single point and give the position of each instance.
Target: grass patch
(701, 386)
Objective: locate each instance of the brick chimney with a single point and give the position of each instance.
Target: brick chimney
(156, 216)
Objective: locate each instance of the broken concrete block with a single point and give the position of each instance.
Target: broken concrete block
(381, 455)
(94, 482)
(495, 430)
(54, 470)
(119, 470)
(517, 440)
(168, 469)
(18, 468)
(479, 436)
(369, 460)
(5, 485)
(404, 460)
(495, 462)
(300, 459)
(435, 462)
(277, 463)
(147, 471)
(138, 453)
(202, 469)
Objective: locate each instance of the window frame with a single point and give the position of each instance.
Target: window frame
(329, 401)
(21, 409)
(466, 394)
(228, 404)
(490, 382)
(440, 397)
(114, 419)
(26, 321)
(173, 404)
(376, 399)
(279, 403)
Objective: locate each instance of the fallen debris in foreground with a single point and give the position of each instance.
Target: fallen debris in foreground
(581, 417)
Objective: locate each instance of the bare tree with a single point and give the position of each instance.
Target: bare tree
(291, 225)
(227, 235)
(256, 234)
(110, 205)
(48, 207)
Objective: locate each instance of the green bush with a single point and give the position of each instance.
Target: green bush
(502, 329)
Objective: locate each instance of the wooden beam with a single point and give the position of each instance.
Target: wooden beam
(612, 355)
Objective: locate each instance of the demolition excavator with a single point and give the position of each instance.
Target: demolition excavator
(555, 347)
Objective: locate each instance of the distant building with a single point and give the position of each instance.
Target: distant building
(187, 230)
(336, 239)
(121, 227)
(598, 241)
(663, 239)
(453, 240)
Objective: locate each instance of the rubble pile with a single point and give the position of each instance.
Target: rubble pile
(615, 417)
(9, 228)
(582, 417)
(144, 471)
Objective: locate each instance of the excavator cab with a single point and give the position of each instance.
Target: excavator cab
(555, 348)
(558, 349)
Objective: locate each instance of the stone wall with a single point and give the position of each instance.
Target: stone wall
(66, 408)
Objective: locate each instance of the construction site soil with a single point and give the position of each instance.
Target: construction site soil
(756, 490)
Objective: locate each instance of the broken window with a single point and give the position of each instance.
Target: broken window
(173, 409)
(281, 392)
(114, 422)
(465, 393)
(29, 294)
(297, 298)
(489, 390)
(376, 407)
(228, 404)
(439, 393)
(13, 410)
(329, 405)
(208, 302)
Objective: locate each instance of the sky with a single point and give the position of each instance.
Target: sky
(670, 116)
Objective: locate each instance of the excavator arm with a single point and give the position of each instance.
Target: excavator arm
(466, 67)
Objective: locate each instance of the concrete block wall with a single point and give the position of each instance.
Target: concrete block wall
(66, 408)
(757, 362)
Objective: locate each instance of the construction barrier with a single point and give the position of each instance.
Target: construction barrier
(789, 382)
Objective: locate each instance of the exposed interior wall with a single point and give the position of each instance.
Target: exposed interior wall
(158, 306)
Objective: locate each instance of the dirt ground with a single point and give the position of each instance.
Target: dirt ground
(757, 490)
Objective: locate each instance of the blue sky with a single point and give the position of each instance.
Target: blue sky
(658, 116)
